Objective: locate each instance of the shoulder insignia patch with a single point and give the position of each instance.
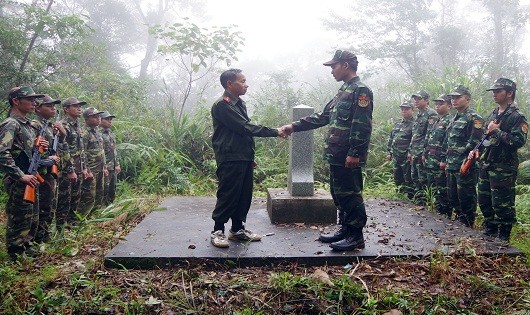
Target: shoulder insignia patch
(363, 100)
(227, 99)
(477, 123)
(524, 127)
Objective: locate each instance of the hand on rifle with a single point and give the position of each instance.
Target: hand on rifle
(29, 180)
(43, 143)
(494, 124)
(72, 177)
(473, 155)
(58, 127)
(55, 159)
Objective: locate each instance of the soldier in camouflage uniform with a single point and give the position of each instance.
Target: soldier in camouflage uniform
(423, 123)
(398, 148)
(17, 141)
(507, 128)
(111, 156)
(45, 111)
(432, 155)
(92, 190)
(73, 166)
(463, 134)
(349, 115)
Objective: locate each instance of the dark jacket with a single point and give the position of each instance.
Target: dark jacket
(233, 132)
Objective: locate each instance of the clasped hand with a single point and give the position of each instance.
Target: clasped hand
(285, 131)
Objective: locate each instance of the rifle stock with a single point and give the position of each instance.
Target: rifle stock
(29, 191)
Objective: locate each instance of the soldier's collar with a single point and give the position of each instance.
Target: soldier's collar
(20, 118)
(229, 98)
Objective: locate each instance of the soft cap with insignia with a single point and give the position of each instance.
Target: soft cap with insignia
(406, 104)
(421, 93)
(443, 98)
(341, 55)
(460, 90)
(48, 100)
(503, 83)
(23, 92)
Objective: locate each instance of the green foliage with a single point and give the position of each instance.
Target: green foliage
(199, 43)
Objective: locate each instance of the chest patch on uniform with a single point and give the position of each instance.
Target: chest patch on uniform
(524, 127)
(227, 99)
(363, 100)
(477, 123)
(432, 121)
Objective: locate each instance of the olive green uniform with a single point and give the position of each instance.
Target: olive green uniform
(498, 171)
(17, 141)
(349, 115)
(92, 190)
(69, 193)
(463, 134)
(398, 148)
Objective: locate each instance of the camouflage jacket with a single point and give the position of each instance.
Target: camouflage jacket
(399, 141)
(504, 142)
(75, 158)
(463, 134)
(16, 147)
(422, 125)
(37, 125)
(349, 115)
(233, 132)
(111, 155)
(94, 148)
(434, 142)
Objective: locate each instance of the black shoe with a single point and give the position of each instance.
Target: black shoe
(349, 243)
(337, 236)
(504, 233)
(490, 229)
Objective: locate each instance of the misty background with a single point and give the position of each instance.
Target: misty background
(155, 64)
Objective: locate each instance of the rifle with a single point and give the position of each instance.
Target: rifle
(466, 165)
(29, 192)
(55, 168)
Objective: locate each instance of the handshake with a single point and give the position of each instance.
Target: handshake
(285, 131)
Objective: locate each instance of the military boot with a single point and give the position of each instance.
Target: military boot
(337, 236)
(504, 232)
(490, 229)
(354, 240)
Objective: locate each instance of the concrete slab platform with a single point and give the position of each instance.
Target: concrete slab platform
(180, 235)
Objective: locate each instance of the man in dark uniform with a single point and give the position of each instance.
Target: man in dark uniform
(423, 123)
(349, 115)
(45, 111)
(507, 130)
(398, 148)
(463, 134)
(432, 155)
(17, 140)
(234, 149)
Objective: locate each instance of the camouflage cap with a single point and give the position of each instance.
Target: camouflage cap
(443, 98)
(341, 55)
(72, 101)
(46, 99)
(106, 114)
(503, 83)
(421, 93)
(406, 104)
(23, 92)
(91, 111)
(460, 90)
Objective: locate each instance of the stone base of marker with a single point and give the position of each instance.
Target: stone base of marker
(284, 208)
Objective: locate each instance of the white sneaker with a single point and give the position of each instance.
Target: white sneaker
(243, 235)
(218, 239)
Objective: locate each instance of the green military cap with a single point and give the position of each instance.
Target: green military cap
(23, 92)
(443, 98)
(72, 101)
(46, 99)
(460, 90)
(406, 104)
(106, 114)
(341, 55)
(503, 83)
(91, 111)
(421, 93)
